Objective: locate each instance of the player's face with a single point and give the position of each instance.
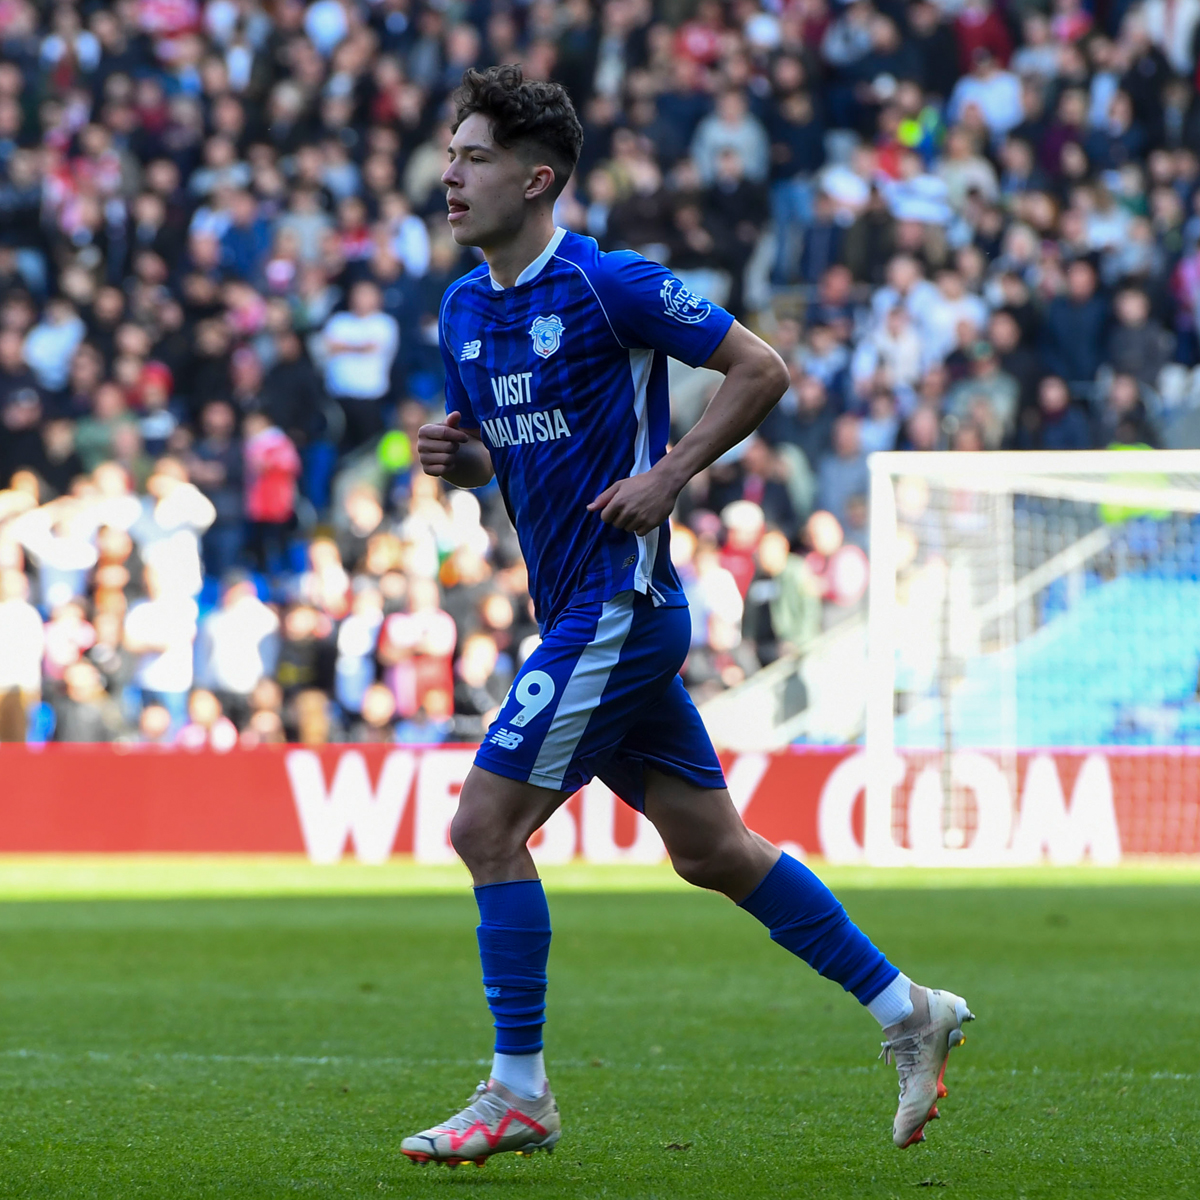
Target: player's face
(486, 186)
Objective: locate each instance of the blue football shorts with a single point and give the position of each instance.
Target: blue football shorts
(601, 696)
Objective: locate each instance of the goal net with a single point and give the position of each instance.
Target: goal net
(1034, 651)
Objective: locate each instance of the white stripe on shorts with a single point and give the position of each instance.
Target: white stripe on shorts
(583, 691)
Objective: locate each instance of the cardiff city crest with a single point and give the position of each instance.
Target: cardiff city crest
(546, 333)
(682, 304)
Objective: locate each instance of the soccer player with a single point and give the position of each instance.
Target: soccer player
(556, 384)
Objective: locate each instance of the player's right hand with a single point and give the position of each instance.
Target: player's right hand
(437, 445)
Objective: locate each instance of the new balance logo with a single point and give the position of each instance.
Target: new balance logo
(491, 992)
(506, 739)
(470, 350)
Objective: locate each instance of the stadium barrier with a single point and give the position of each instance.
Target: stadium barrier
(374, 801)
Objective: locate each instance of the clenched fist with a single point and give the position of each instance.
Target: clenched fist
(438, 445)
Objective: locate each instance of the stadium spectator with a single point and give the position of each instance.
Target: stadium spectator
(360, 346)
(207, 726)
(271, 467)
(430, 724)
(162, 630)
(1057, 424)
(22, 640)
(378, 709)
(842, 472)
(215, 467)
(1075, 327)
(85, 711)
(237, 646)
(1139, 345)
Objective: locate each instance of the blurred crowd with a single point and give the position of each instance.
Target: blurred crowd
(964, 225)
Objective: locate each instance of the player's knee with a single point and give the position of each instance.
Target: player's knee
(480, 838)
(698, 870)
(471, 835)
(710, 869)
(721, 866)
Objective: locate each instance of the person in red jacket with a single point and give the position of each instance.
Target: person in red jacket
(272, 466)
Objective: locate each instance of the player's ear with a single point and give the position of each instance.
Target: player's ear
(541, 180)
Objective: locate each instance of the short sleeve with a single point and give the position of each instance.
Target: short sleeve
(457, 399)
(649, 308)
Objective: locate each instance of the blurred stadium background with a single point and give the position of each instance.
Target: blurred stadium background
(970, 229)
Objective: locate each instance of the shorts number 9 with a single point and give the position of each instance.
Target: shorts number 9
(533, 691)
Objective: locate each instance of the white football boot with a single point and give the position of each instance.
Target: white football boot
(494, 1121)
(920, 1046)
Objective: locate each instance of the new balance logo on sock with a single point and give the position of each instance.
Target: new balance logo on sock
(491, 992)
(506, 739)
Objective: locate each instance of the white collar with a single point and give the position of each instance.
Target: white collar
(535, 268)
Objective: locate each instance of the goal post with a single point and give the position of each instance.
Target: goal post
(1023, 603)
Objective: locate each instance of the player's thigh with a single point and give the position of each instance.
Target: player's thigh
(496, 815)
(694, 822)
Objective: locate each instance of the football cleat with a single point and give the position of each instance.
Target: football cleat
(494, 1121)
(919, 1045)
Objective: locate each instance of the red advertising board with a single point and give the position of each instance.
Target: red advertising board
(373, 801)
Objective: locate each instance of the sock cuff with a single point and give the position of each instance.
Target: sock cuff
(773, 902)
(514, 904)
(750, 903)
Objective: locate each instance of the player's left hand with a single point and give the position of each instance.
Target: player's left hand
(638, 504)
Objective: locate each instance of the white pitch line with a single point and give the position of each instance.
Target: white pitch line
(341, 1060)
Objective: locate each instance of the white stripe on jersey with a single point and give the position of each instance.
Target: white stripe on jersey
(640, 364)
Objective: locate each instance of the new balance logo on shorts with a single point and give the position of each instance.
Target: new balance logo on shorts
(506, 739)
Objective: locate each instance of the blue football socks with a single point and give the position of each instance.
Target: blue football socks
(805, 917)
(514, 944)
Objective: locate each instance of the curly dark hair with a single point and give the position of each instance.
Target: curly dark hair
(524, 113)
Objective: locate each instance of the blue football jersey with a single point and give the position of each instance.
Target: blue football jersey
(565, 377)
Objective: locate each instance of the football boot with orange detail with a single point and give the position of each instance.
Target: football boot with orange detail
(920, 1045)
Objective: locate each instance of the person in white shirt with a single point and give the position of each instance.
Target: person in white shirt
(22, 639)
(162, 629)
(175, 514)
(360, 346)
(992, 90)
(238, 645)
(50, 344)
(948, 307)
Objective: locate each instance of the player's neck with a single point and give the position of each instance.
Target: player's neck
(508, 260)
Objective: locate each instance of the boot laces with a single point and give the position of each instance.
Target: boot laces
(476, 1109)
(905, 1052)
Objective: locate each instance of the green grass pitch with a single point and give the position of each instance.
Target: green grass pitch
(271, 1047)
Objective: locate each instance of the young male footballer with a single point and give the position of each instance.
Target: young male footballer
(556, 384)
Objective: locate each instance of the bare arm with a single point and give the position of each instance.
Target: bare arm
(755, 378)
(456, 455)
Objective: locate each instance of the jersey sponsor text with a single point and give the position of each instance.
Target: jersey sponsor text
(513, 389)
(521, 428)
